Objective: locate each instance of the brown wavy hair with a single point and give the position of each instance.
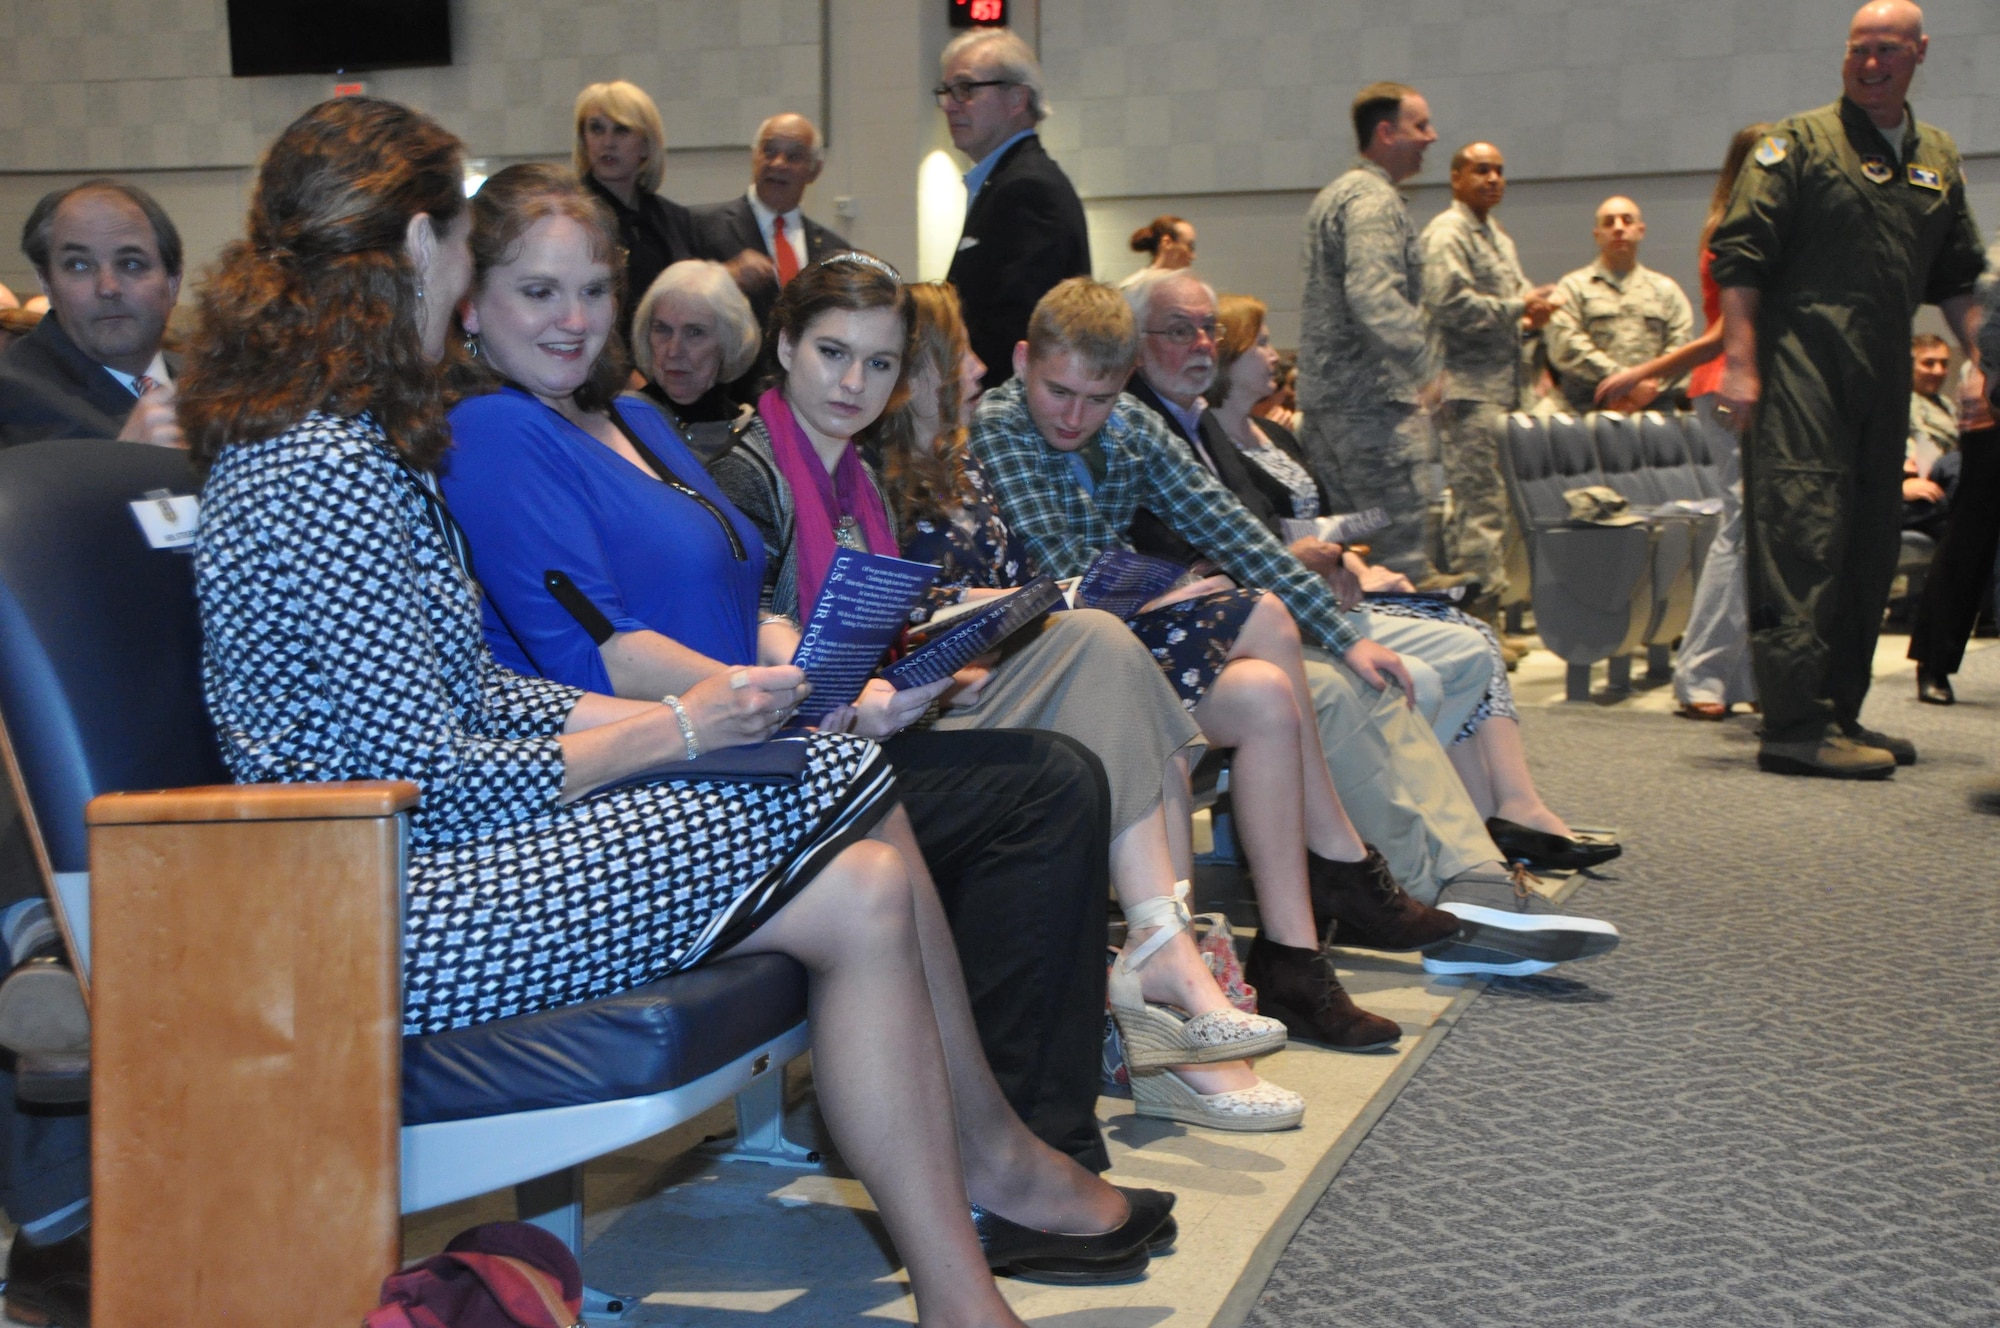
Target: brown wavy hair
(853, 283)
(504, 210)
(923, 479)
(318, 309)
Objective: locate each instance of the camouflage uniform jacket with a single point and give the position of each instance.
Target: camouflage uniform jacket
(1364, 340)
(1475, 292)
(1605, 323)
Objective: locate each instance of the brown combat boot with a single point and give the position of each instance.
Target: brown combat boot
(1300, 988)
(1373, 912)
(1834, 756)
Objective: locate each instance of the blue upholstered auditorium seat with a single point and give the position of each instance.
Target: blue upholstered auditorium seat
(100, 691)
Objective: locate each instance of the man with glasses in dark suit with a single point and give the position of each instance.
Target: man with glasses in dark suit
(1024, 225)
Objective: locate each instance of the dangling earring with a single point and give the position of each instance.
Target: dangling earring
(420, 290)
(471, 344)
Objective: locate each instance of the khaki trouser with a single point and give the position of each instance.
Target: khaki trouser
(1398, 786)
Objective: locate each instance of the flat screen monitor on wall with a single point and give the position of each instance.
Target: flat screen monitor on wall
(336, 36)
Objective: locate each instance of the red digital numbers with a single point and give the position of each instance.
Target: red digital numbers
(978, 13)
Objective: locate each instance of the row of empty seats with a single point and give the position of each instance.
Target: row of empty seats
(1603, 592)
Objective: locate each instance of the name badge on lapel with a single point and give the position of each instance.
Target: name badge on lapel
(1876, 169)
(169, 520)
(1923, 177)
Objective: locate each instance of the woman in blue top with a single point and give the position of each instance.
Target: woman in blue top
(606, 552)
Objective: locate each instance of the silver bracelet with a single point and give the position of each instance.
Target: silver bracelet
(770, 618)
(673, 703)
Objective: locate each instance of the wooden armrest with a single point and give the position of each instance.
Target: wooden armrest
(246, 1031)
(358, 798)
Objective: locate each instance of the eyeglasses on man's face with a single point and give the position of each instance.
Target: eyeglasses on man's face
(1186, 334)
(965, 89)
(1884, 51)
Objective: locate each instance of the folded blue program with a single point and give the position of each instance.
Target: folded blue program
(864, 603)
(779, 761)
(1121, 582)
(975, 634)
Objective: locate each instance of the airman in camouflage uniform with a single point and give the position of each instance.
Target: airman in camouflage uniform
(1479, 304)
(1366, 362)
(1846, 219)
(1615, 313)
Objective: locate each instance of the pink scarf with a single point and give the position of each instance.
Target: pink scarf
(819, 500)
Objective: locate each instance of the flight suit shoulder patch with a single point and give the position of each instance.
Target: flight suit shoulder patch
(1772, 149)
(1925, 177)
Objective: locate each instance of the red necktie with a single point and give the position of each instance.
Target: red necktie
(147, 383)
(787, 261)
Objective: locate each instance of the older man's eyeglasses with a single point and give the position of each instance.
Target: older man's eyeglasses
(1186, 334)
(965, 89)
(1865, 51)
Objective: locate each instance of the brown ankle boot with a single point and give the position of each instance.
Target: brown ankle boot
(1360, 904)
(1299, 987)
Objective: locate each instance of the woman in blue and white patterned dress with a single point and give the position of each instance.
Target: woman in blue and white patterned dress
(343, 642)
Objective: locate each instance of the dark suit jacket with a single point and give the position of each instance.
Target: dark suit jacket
(1025, 233)
(50, 389)
(724, 230)
(1151, 535)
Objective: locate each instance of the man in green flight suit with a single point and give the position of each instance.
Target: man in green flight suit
(1849, 217)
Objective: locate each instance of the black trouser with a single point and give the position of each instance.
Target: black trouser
(1015, 825)
(1962, 567)
(44, 1151)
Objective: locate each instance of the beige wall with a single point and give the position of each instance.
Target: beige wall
(881, 60)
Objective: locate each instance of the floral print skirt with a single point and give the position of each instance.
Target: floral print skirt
(1191, 640)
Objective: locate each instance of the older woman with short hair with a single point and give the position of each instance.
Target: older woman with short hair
(693, 334)
(620, 154)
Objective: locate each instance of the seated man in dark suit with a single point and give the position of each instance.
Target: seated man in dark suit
(785, 159)
(1024, 225)
(109, 259)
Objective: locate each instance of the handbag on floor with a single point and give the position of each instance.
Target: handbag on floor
(500, 1275)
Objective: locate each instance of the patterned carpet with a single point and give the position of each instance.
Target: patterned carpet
(1776, 1104)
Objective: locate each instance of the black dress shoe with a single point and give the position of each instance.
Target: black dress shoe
(1934, 690)
(1543, 851)
(50, 1284)
(1063, 1259)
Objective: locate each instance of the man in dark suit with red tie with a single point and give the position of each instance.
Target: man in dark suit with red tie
(1024, 225)
(109, 259)
(785, 159)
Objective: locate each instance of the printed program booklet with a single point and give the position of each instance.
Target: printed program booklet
(1121, 582)
(971, 634)
(865, 602)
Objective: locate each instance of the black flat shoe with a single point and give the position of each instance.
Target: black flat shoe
(1543, 851)
(1934, 691)
(1062, 1259)
(1157, 1208)
(50, 1284)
